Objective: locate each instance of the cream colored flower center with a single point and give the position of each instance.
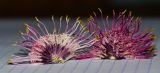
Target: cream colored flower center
(57, 59)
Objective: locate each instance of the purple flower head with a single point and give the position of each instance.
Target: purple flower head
(57, 47)
(122, 38)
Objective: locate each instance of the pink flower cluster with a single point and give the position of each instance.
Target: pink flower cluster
(120, 38)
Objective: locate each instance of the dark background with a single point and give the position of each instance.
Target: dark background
(17, 8)
(15, 13)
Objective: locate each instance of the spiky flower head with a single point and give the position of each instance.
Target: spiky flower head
(122, 39)
(57, 47)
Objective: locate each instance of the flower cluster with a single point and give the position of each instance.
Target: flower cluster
(58, 47)
(122, 38)
(119, 39)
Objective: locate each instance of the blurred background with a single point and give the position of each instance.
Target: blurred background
(14, 13)
(17, 8)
